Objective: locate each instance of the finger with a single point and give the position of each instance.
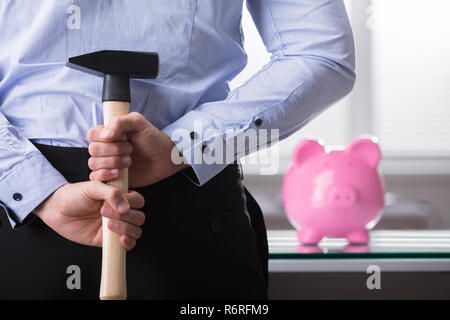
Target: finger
(103, 149)
(96, 163)
(127, 242)
(130, 123)
(124, 228)
(94, 133)
(96, 190)
(134, 217)
(104, 175)
(135, 199)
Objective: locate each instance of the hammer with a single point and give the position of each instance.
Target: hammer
(116, 68)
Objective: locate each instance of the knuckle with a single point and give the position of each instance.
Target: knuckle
(141, 218)
(138, 233)
(97, 183)
(124, 216)
(131, 244)
(91, 133)
(93, 149)
(95, 132)
(119, 227)
(141, 202)
(117, 148)
(91, 163)
(96, 176)
(118, 162)
(135, 115)
(136, 118)
(115, 123)
(115, 193)
(127, 230)
(104, 174)
(138, 204)
(126, 148)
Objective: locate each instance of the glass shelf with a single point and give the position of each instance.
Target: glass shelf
(384, 244)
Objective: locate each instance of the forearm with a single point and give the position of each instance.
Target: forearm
(26, 177)
(312, 66)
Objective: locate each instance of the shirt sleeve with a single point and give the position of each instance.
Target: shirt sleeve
(312, 66)
(26, 176)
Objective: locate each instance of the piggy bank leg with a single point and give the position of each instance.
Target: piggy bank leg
(308, 236)
(358, 237)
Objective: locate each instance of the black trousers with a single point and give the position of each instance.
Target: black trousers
(204, 242)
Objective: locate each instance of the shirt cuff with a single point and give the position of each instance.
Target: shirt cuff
(199, 142)
(27, 185)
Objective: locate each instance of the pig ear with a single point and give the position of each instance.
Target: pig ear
(305, 150)
(366, 149)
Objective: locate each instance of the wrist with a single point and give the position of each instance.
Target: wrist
(167, 164)
(46, 206)
(176, 161)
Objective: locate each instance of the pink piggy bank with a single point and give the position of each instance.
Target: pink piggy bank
(337, 194)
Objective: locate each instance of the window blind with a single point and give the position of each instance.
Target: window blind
(411, 77)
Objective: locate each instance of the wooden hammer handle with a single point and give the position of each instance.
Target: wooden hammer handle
(114, 284)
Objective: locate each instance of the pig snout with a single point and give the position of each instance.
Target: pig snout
(341, 196)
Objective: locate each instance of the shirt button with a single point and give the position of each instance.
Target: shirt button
(258, 122)
(17, 196)
(193, 135)
(215, 226)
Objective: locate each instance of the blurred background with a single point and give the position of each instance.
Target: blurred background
(401, 96)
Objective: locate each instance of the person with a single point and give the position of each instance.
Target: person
(194, 230)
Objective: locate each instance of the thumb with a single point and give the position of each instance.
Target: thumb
(97, 190)
(130, 123)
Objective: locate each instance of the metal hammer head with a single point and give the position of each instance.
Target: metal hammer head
(117, 67)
